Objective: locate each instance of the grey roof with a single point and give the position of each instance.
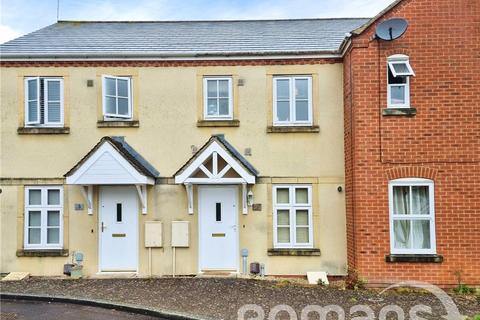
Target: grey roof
(137, 157)
(94, 39)
(130, 154)
(220, 138)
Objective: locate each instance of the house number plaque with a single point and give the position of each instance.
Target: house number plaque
(257, 207)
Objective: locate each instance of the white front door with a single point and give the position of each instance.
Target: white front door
(218, 236)
(118, 229)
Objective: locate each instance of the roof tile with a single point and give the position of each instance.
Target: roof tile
(188, 38)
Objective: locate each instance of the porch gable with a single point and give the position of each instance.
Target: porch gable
(106, 163)
(217, 162)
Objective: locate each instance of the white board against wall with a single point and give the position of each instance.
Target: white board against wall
(153, 234)
(180, 234)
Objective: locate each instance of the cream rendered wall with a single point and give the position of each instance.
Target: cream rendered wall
(166, 105)
(8, 226)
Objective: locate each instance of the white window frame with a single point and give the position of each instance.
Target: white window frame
(43, 208)
(391, 61)
(431, 216)
(116, 116)
(292, 207)
(229, 116)
(46, 123)
(292, 101)
(407, 95)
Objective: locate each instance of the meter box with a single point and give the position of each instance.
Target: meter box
(180, 234)
(153, 234)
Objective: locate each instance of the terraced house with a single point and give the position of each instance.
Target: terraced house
(187, 147)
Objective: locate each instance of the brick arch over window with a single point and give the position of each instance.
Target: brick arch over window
(390, 52)
(411, 171)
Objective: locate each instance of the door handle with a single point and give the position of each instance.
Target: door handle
(103, 227)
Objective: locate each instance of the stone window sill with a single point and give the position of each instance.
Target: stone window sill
(118, 124)
(43, 130)
(42, 253)
(417, 258)
(218, 123)
(293, 129)
(293, 252)
(405, 112)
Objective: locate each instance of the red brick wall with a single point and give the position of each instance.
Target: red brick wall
(169, 63)
(441, 142)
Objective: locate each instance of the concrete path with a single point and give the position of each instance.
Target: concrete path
(26, 310)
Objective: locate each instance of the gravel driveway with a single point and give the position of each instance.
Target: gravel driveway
(220, 298)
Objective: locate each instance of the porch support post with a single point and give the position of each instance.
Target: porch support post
(244, 198)
(142, 195)
(87, 193)
(215, 164)
(189, 188)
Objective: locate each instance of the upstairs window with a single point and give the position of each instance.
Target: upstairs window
(292, 216)
(117, 98)
(43, 102)
(412, 216)
(399, 73)
(292, 101)
(218, 101)
(43, 217)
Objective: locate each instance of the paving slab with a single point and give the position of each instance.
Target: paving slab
(16, 276)
(314, 276)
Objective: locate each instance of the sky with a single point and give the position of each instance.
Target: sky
(19, 17)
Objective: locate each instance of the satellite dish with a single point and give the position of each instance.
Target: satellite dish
(391, 29)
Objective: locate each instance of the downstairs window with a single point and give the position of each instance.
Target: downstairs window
(43, 217)
(292, 216)
(412, 216)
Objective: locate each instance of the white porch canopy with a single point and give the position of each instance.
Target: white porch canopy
(217, 162)
(112, 162)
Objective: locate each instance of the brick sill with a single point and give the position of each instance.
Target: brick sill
(405, 112)
(118, 124)
(293, 129)
(43, 130)
(42, 253)
(416, 258)
(294, 252)
(218, 123)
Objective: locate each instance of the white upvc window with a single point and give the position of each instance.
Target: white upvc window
(292, 216)
(117, 97)
(217, 98)
(292, 101)
(412, 216)
(398, 88)
(43, 217)
(43, 102)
